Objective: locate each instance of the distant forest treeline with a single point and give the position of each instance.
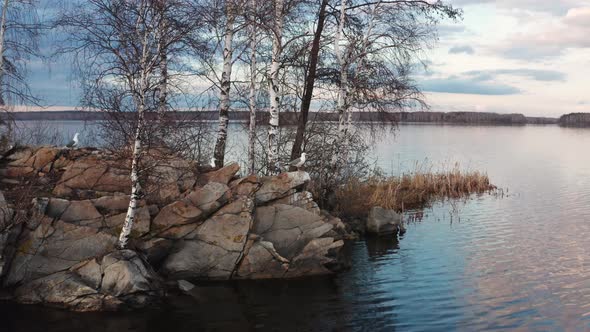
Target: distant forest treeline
(291, 118)
(575, 120)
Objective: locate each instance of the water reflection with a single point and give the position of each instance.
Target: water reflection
(378, 246)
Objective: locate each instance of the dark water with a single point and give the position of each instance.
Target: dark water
(521, 262)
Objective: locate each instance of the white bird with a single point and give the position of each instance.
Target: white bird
(298, 162)
(74, 142)
(212, 164)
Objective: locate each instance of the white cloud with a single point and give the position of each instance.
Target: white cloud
(548, 37)
(533, 57)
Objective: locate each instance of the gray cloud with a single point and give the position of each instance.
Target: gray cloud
(533, 74)
(448, 29)
(461, 49)
(455, 84)
(486, 82)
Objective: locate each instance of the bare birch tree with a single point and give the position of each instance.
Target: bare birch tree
(124, 48)
(273, 86)
(253, 44)
(375, 46)
(224, 100)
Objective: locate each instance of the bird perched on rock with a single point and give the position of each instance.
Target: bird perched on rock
(297, 162)
(74, 142)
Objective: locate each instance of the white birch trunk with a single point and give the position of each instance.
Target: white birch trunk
(140, 100)
(252, 95)
(219, 153)
(135, 187)
(2, 34)
(273, 128)
(163, 86)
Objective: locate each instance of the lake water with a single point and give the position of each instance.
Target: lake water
(521, 261)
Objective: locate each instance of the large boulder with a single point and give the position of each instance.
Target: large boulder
(128, 277)
(113, 208)
(289, 228)
(41, 159)
(28, 161)
(210, 197)
(92, 174)
(279, 186)
(213, 249)
(66, 290)
(121, 278)
(302, 199)
(222, 175)
(111, 204)
(177, 213)
(261, 261)
(289, 241)
(384, 222)
(246, 186)
(141, 223)
(316, 258)
(55, 246)
(182, 217)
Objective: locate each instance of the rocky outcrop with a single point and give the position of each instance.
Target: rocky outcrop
(191, 226)
(120, 279)
(53, 246)
(384, 222)
(213, 249)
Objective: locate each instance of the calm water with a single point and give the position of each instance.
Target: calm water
(518, 262)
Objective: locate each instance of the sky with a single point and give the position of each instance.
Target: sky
(512, 56)
(505, 56)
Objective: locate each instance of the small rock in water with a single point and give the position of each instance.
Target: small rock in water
(383, 222)
(185, 286)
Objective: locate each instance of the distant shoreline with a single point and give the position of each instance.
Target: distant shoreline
(290, 118)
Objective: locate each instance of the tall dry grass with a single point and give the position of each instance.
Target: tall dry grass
(409, 191)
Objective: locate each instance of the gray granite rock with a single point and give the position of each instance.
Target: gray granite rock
(384, 222)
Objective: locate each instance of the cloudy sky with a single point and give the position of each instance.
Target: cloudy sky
(523, 56)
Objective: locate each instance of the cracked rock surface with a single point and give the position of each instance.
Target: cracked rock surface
(191, 226)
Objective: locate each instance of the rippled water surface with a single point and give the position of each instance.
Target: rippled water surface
(521, 261)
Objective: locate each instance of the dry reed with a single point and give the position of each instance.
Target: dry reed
(409, 191)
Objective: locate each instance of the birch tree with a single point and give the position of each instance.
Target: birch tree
(375, 46)
(253, 44)
(224, 99)
(121, 46)
(273, 86)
